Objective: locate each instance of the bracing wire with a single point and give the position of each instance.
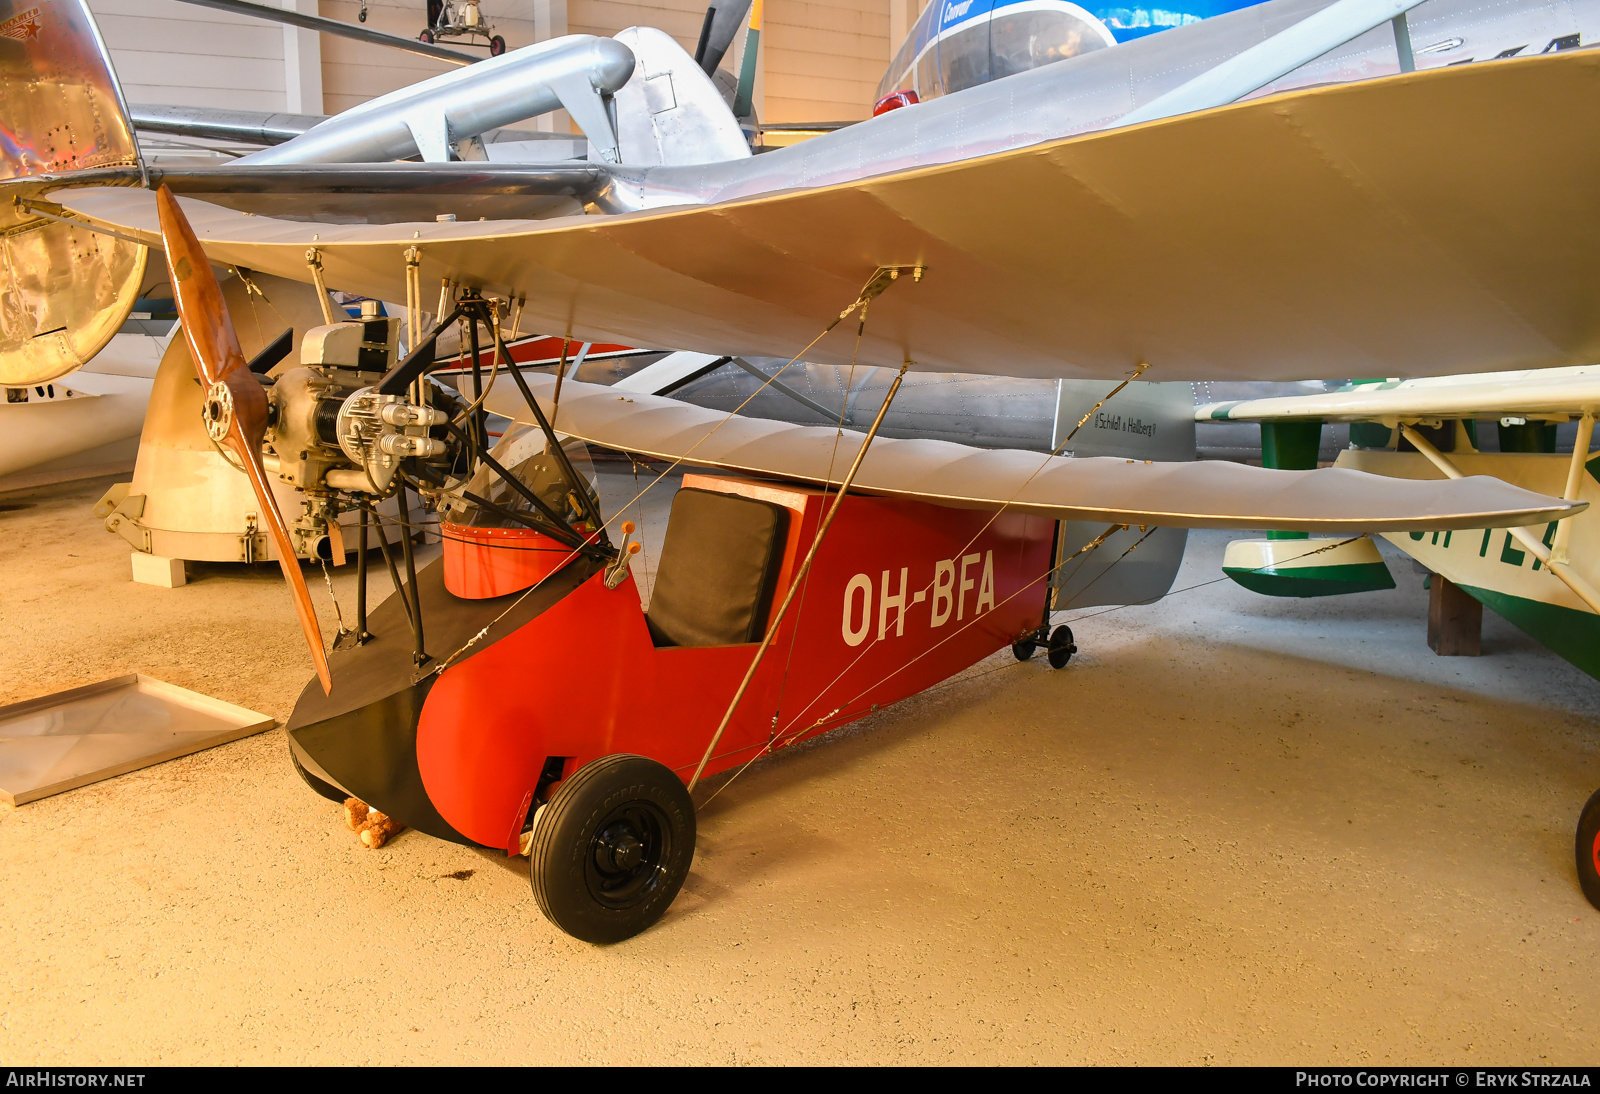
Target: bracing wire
(785, 738)
(861, 300)
(778, 736)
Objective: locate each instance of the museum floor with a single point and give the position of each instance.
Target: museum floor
(1233, 830)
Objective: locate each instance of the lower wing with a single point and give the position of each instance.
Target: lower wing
(1185, 495)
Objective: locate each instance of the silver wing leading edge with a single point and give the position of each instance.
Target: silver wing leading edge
(1381, 228)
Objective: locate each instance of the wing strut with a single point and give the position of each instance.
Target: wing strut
(800, 575)
(1555, 562)
(881, 279)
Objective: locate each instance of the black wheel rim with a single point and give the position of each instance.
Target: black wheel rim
(627, 855)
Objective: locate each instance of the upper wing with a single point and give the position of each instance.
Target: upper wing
(1442, 221)
(1550, 393)
(1186, 495)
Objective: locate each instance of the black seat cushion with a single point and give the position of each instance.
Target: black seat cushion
(718, 566)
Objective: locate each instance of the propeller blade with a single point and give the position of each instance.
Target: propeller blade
(236, 403)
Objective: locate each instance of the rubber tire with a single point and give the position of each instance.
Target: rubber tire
(1588, 849)
(363, 16)
(1024, 648)
(563, 841)
(1062, 647)
(426, 37)
(497, 46)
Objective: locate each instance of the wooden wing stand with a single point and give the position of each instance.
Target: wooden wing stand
(1455, 620)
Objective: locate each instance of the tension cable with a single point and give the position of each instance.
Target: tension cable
(1138, 372)
(881, 279)
(784, 738)
(1225, 577)
(799, 579)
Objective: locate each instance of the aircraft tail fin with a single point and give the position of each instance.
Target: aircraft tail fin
(1142, 421)
(669, 112)
(64, 289)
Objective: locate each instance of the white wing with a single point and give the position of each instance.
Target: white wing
(1186, 495)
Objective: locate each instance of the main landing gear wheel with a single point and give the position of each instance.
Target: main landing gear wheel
(426, 37)
(1062, 647)
(497, 46)
(612, 848)
(1589, 849)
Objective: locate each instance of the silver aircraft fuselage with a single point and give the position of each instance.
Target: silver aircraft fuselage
(1095, 91)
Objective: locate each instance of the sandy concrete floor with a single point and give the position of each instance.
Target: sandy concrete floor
(1235, 830)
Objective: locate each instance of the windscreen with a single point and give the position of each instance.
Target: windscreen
(521, 451)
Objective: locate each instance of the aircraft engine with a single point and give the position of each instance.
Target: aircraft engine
(330, 430)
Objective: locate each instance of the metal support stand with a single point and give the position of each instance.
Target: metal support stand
(480, 421)
(362, 634)
(414, 314)
(799, 578)
(555, 403)
(394, 574)
(419, 654)
(314, 261)
(587, 503)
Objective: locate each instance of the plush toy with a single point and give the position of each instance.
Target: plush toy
(374, 828)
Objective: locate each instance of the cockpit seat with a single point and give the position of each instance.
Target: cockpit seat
(718, 566)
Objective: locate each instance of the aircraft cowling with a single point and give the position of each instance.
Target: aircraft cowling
(64, 290)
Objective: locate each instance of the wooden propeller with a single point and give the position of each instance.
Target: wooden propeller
(236, 403)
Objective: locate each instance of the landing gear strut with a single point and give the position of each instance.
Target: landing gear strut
(1025, 647)
(1058, 644)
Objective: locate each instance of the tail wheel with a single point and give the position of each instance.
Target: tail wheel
(1589, 849)
(1025, 647)
(1062, 647)
(612, 848)
(497, 46)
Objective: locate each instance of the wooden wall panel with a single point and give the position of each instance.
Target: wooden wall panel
(679, 18)
(821, 59)
(166, 52)
(353, 72)
(824, 58)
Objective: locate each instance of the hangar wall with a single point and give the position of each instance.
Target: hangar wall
(820, 59)
(166, 52)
